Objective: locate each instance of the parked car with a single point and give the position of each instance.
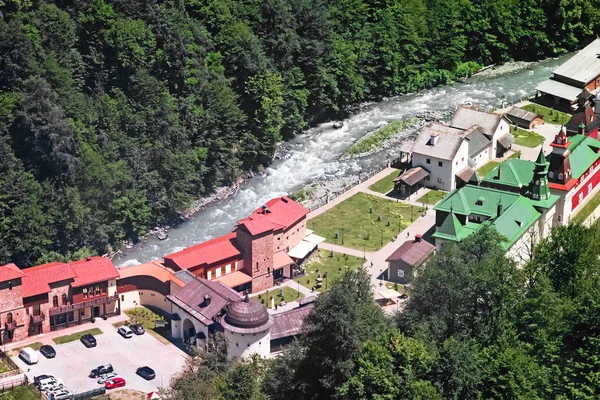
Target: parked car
(48, 351)
(125, 331)
(138, 329)
(51, 384)
(88, 340)
(60, 394)
(29, 355)
(106, 377)
(146, 372)
(115, 383)
(37, 379)
(101, 370)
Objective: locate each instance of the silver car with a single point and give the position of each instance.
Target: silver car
(102, 379)
(60, 394)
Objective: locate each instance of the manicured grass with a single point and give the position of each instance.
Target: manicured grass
(386, 184)
(288, 294)
(527, 138)
(4, 367)
(23, 392)
(365, 220)
(431, 197)
(76, 336)
(146, 317)
(35, 346)
(516, 154)
(373, 140)
(334, 267)
(487, 168)
(587, 209)
(550, 116)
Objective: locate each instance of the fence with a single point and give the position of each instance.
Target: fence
(361, 178)
(11, 382)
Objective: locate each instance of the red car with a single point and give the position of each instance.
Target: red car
(115, 383)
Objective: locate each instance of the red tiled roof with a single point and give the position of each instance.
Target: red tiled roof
(280, 212)
(9, 272)
(154, 269)
(235, 278)
(412, 252)
(214, 251)
(281, 259)
(37, 279)
(93, 269)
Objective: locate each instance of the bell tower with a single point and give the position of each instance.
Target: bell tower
(538, 187)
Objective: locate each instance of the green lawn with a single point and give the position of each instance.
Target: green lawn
(287, 294)
(76, 336)
(516, 154)
(487, 168)
(364, 220)
(587, 209)
(334, 267)
(386, 184)
(4, 367)
(550, 116)
(23, 392)
(432, 197)
(527, 138)
(146, 317)
(35, 346)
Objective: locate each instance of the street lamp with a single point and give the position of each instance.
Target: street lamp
(411, 213)
(342, 236)
(381, 237)
(298, 281)
(325, 277)
(364, 251)
(380, 277)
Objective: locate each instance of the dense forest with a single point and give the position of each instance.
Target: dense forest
(116, 115)
(475, 327)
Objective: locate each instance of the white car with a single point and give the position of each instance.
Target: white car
(125, 331)
(102, 379)
(60, 394)
(51, 384)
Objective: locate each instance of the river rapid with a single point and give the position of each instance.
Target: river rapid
(315, 154)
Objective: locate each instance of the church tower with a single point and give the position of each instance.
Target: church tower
(538, 187)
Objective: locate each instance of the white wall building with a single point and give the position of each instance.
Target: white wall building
(494, 126)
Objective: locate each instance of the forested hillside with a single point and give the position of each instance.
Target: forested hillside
(115, 115)
(475, 327)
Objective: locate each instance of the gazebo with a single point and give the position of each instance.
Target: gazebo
(408, 182)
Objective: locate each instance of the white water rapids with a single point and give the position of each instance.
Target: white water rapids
(315, 154)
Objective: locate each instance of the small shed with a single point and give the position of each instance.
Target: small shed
(404, 262)
(409, 181)
(523, 118)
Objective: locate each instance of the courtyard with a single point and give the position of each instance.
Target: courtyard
(73, 361)
(323, 264)
(364, 221)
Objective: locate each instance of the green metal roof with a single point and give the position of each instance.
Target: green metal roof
(514, 172)
(464, 201)
(517, 215)
(584, 152)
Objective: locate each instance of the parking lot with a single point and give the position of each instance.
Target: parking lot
(73, 361)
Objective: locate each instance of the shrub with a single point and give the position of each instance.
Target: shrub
(93, 320)
(105, 317)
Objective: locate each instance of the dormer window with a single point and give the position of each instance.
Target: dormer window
(480, 201)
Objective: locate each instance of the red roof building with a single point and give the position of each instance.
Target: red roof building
(9, 272)
(37, 279)
(93, 270)
(404, 262)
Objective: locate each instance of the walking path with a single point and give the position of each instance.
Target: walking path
(375, 261)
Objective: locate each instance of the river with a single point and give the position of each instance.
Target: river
(315, 154)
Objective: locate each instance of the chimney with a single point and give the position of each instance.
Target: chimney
(207, 300)
(499, 171)
(499, 207)
(418, 237)
(264, 209)
(434, 138)
(582, 128)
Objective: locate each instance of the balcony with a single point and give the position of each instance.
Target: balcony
(38, 319)
(11, 326)
(85, 304)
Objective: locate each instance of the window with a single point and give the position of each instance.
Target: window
(440, 164)
(9, 318)
(123, 297)
(400, 273)
(55, 301)
(85, 294)
(36, 310)
(457, 163)
(218, 272)
(257, 265)
(439, 180)
(97, 289)
(64, 299)
(428, 161)
(10, 285)
(209, 276)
